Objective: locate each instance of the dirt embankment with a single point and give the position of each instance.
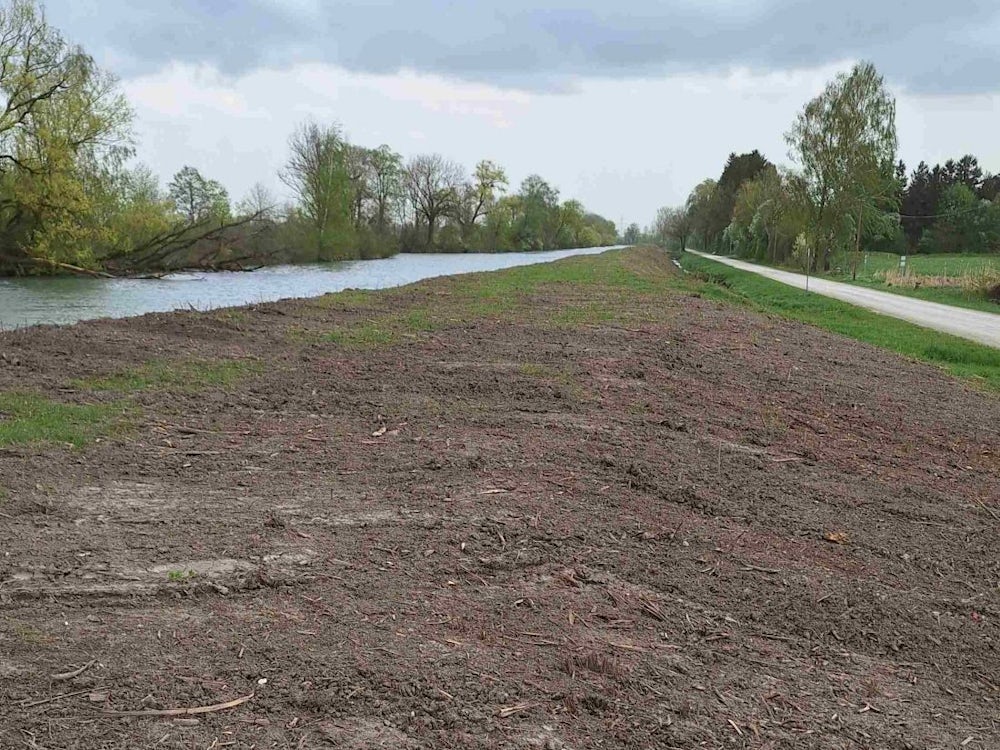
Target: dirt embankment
(582, 507)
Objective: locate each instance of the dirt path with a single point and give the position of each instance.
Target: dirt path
(569, 507)
(982, 327)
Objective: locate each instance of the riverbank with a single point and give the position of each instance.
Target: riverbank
(554, 506)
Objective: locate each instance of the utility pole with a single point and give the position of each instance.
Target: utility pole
(809, 253)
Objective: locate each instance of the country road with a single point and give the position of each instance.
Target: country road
(982, 327)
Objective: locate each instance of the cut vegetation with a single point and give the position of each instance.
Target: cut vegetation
(587, 504)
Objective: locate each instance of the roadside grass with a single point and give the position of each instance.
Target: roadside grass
(926, 272)
(31, 418)
(181, 376)
(960, 357)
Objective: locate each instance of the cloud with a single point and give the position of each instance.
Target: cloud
(622, 146)
(520, 44)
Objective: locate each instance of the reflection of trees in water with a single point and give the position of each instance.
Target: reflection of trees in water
(21, 298)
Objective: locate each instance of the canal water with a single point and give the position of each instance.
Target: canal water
(25, 302)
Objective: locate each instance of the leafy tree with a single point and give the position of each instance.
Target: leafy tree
(317, 171)
(605, 230)
(990, 189)
(65, 133)
(498, 229)
(699, 208)
(489, 181)
(197, 198)
(845, 141)
(539, 222)
(920, 200)
(968, 224)
(385, 184)
(739, 169)
(633, 234)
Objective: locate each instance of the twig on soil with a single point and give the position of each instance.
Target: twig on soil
(61, 676)
(770, 637)
(506, 711)
(54, 698)
(182, 711)
(804, 423)
(989, 510)
(771, 571)
(531, 643)
(651, 608)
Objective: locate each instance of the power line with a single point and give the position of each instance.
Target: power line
(941, 216)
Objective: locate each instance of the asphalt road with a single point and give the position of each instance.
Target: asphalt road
(974, 325)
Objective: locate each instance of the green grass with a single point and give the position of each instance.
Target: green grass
(369, 333)
(30, 418)
(871, 275)
(508, 295)
(182, 376)
(958, 356)
(923, 264)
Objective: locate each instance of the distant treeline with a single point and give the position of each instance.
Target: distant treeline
(848, 192)
(73, 200)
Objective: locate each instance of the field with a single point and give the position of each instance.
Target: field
(921, 264)
(588, 504)
(930, 275)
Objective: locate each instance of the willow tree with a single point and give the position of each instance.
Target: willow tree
(65, 133)
(845, 141)
(318, 172)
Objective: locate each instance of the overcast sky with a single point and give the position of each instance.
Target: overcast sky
(624, 105)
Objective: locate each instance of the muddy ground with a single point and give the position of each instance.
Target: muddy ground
(601, 512)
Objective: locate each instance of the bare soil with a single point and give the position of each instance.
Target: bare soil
(673, 525)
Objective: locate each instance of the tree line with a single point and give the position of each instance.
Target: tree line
(847, 192)
(351, 200)
(72, 198)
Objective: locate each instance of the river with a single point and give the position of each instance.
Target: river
(61, 300)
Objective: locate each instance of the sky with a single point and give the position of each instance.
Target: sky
(623, 105)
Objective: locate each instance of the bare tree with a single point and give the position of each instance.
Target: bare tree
(317, 171)
(672, 224)
(260, 202)
(433, 185)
